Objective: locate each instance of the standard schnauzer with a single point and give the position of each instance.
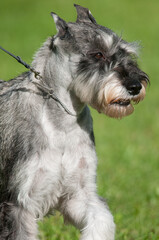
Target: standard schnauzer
(47, 152)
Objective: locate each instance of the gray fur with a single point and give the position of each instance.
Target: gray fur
(47, 157)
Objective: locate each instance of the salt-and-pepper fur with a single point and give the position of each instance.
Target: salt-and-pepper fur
(47, 156)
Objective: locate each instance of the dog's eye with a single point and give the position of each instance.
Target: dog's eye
(99, 55)
(96, 55)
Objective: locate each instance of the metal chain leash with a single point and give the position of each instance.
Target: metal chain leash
(43, 87)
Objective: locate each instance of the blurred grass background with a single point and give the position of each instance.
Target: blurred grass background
(128, 150)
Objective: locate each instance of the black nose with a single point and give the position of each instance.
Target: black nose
(134, 87)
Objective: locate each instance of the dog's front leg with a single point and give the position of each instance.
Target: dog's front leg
(90, 214)
(99, 223)
(16, 223)
(79, 202)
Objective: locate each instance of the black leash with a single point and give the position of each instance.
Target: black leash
(48, 91)
(21, 61)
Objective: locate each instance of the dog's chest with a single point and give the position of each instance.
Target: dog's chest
(69, 148)
(65, 160)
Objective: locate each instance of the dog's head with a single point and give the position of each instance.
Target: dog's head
(103, 66)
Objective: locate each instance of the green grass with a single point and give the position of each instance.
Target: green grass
(128, 150)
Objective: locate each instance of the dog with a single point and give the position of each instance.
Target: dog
(47, 149)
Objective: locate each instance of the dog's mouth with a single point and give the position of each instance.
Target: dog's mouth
(118, 108)
(120, 102)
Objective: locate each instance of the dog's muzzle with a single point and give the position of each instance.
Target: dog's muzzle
(116, 98)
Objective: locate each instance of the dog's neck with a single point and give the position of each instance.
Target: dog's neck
(55, 72)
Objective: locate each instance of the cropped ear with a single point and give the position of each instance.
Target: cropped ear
(61, 25)
(84, 15)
